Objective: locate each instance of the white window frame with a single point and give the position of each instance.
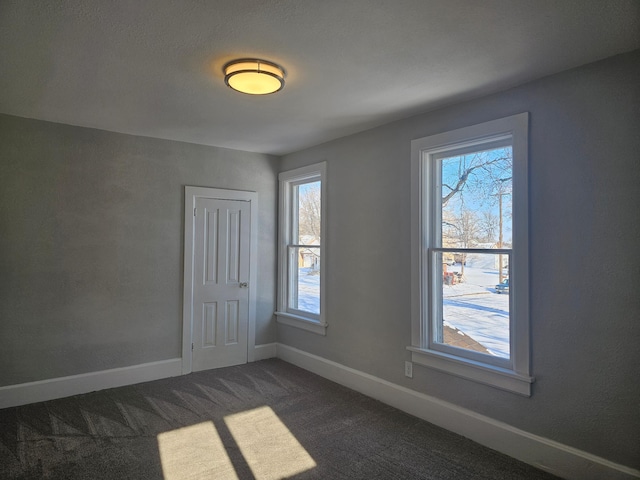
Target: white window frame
(512, 375)
(287, 180)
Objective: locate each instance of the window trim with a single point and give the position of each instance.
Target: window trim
(514, 377)
(285, 315)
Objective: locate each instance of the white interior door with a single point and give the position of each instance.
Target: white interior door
(220, 295)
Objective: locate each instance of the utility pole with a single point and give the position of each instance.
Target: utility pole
(500, 237)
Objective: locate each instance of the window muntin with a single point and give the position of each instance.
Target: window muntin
(465, 320)
(302, 222)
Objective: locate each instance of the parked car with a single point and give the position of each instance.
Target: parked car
(503, 287)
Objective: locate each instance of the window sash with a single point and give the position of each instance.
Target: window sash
(292, 282)
(432, 184)
(435, 315)
(292, 297)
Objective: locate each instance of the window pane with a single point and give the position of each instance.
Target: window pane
(473, 304)
(476, 199)
(304, 279)
(309, 213)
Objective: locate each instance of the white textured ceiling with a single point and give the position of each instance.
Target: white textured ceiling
(153, 67)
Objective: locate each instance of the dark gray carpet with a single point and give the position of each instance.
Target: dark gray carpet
(113, 434)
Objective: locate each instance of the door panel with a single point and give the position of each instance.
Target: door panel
(233, 247)
(209, 326)
(232, 321)
(221, 295)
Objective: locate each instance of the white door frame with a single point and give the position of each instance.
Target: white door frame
(190, 196)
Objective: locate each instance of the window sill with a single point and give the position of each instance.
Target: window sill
(303, 323)
(497, 377)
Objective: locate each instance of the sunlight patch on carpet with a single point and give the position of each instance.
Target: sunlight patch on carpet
(270, 449)
(194, 452)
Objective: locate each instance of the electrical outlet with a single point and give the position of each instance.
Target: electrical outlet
(408, 369)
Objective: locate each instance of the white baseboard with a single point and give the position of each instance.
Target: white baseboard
(264, 351)
(40, 391)
(551, 456)
(43, 390)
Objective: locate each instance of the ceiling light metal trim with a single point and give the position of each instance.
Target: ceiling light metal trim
(254, 76)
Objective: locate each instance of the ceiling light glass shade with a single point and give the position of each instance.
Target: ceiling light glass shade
(253, 76)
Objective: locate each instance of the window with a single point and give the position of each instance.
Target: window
(301, 248)
(470, 310)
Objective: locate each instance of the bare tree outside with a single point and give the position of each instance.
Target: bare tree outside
(489, 224)
(463, 231)
(476, 176)
(309, 210)
(474, 186)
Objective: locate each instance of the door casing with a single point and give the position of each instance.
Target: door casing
(191, 194)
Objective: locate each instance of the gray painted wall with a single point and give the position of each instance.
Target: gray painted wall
(91, 245)
(585, 261)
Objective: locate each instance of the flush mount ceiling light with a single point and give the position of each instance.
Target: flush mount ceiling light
(254, 76)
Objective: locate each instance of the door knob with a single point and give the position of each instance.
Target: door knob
(244, 285)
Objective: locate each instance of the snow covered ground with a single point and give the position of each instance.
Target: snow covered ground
(472, 307)
(309, 290)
